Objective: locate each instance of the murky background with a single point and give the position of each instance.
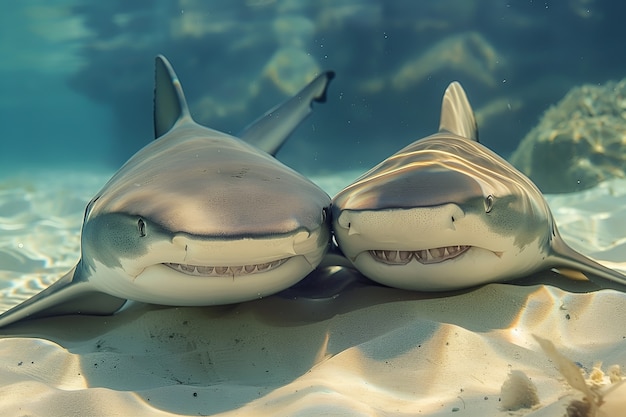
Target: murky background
(76, 77)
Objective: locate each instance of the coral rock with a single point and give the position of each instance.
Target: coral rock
(579, 142)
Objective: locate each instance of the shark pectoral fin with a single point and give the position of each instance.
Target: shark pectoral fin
(457, 116)
(564, 258)
(65, 296)
(169, 100)
(272, 129)
(335, 257)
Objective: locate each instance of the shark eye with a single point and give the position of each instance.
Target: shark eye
(324, 214)
(141, 225)
(89, 207)
(488, 203)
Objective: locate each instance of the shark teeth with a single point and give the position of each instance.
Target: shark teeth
(424, 256)
(225, 271)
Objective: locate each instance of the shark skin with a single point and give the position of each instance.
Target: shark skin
(447, 213)
(197, 217)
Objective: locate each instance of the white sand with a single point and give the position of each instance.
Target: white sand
(347, 348)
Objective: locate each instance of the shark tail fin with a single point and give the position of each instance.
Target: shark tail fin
(457, 116)
(271, 130)
(169, 100)
(65, 296)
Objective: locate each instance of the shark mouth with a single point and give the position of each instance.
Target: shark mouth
(424, 256)
(225, 271)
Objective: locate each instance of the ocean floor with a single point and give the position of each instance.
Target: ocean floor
(341, 347)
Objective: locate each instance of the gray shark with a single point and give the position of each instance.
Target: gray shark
(447, 213)
(197, 217)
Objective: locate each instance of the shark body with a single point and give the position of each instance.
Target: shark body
(447, 213)
(196, 217)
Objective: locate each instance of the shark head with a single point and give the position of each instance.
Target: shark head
(199, 217)
(446, 213)
(223, 223)
(196, 217)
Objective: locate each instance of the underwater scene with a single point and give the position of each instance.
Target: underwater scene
(303, 208)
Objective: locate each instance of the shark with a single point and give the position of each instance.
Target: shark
(447, 213)
(197, 217)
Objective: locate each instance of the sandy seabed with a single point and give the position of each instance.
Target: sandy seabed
(335, 345)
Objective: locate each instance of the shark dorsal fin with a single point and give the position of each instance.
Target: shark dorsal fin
(169, 101)
(457, 115)
(271, 130)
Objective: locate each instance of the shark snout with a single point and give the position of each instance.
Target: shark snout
(400, 229)
(381, 222)
(246, 250)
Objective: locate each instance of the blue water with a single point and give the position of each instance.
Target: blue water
(76, 76)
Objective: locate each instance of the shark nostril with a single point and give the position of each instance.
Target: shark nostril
(344, 220)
